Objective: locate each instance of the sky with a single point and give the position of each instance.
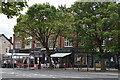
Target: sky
(7, 25)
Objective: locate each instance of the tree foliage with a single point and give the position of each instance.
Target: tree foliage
(98, 24)
(41, 21)
(12, 8)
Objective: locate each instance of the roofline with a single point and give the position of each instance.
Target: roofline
(6, 38)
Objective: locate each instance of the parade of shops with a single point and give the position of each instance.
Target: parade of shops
(61, 58)
(65, 55)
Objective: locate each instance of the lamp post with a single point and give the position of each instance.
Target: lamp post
(12, 58)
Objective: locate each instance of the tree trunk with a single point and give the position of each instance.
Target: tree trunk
(49, 59)
(94, 64)
(81, 63)
(103, 67)
(87, 63)
(118, 62)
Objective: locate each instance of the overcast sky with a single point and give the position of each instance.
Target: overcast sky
(6, 25)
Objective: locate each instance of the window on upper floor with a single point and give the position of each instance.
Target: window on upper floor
(28, 45)
(51, 43)
(6, 50)
(38, 45)
(68, 43)
(17, 44)
(16, 34)
(82, 43)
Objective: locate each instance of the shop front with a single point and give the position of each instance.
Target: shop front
(76, 58)
(61, 59)
(23, 60)
(26, 58)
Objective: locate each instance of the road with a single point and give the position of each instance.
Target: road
(57, 74)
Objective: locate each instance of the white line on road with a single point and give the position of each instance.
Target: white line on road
(106, 73)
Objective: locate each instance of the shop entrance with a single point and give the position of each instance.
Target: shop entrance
(23, 61)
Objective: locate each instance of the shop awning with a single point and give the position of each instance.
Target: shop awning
(60, 55)
(21, 54)
(17, 54)
(8, 54)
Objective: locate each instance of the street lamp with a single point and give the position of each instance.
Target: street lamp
(12, 58)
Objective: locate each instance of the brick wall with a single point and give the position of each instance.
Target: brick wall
(60, 42)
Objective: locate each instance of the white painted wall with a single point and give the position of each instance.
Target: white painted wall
(5, 45)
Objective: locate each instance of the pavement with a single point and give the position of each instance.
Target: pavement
(56, 74)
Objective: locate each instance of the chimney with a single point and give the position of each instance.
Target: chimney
(10, 39)
(14, 41)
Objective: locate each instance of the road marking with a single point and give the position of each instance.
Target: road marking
(35, 74)
(106, 73)
(12, 73)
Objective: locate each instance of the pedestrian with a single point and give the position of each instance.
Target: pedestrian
(5, 63)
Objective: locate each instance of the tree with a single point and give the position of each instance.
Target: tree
(42, 21)
(12, 8)
(97, 24)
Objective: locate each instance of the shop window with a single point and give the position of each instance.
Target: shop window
(81, 60)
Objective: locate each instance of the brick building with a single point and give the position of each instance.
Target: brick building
(63, 45)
